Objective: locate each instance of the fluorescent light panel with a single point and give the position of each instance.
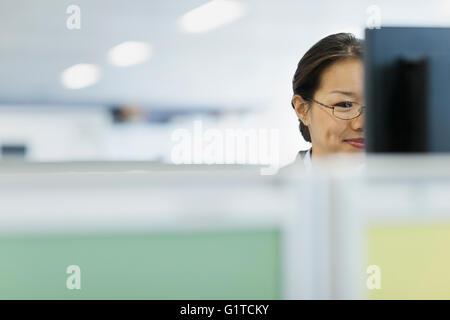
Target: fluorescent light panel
(129, 53)
(211, 15)
(80, 76)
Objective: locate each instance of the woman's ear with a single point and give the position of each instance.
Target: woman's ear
(301, 108)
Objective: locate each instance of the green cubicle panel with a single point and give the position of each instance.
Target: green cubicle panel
(164, 265)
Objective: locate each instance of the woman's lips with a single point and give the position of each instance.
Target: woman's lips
(357, 143)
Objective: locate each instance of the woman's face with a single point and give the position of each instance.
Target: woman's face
(341, 82)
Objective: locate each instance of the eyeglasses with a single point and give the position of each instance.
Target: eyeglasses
(344, 110)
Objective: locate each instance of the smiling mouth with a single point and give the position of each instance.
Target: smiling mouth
(357, 143)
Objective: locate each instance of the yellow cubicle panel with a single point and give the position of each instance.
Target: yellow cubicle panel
(414, 261)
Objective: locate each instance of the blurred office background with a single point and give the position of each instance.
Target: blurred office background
(118, 87)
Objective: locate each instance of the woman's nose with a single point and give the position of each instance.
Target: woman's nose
(357, 124)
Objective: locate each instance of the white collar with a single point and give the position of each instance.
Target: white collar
(307, 159)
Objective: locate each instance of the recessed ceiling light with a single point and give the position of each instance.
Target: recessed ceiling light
(211, 15)
(129, 53)
(80, 76)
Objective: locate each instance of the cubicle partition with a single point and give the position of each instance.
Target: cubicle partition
(146, 231)
(391, 228)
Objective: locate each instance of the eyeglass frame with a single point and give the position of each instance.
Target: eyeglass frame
(361, 108)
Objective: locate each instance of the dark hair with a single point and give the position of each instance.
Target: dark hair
(309, 70)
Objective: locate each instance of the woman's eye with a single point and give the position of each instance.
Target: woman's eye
(344, 104)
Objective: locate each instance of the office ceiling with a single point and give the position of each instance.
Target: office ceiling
(248, 63)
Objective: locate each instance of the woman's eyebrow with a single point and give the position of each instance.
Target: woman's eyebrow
(347, 93)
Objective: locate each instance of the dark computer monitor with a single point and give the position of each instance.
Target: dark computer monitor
(407, 80)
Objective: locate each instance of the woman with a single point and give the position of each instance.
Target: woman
(328, 97)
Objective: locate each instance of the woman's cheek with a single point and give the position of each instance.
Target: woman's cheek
(338, 140)
(332, 140)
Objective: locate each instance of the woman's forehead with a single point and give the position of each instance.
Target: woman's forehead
(344, 77)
